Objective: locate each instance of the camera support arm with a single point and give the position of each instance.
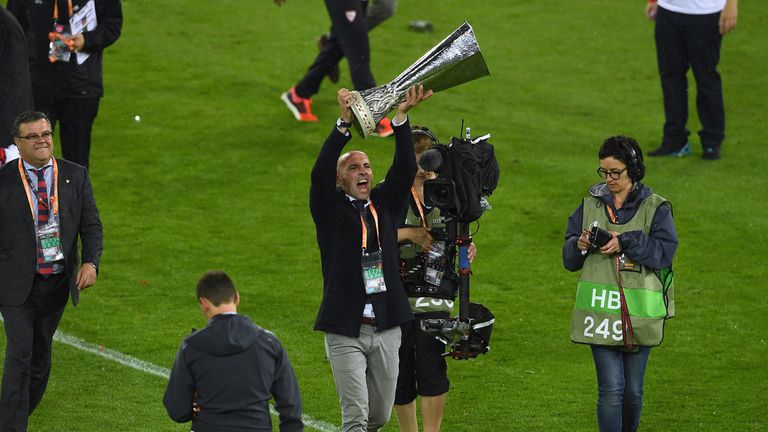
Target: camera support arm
(465, 270)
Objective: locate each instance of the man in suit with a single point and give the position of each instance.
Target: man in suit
(47, 204)
(364, 302)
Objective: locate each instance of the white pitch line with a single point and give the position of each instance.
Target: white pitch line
(153, 369)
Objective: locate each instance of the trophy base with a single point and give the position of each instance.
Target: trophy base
(364, 122)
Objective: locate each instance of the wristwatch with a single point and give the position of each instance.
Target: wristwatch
(340, 123)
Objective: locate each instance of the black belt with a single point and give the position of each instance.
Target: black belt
(368, 320)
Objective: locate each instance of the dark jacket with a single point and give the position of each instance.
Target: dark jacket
(654, 250)
(15, 84)
(235, 367)
(67, 80)
(18, 243)
(338, 229)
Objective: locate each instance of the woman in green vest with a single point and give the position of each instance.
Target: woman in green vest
(423, 371)
(625, 289)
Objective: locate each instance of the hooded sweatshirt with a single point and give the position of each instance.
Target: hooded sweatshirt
(232, 368)
(654, 250)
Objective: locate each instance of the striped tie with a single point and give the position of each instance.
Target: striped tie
(43, 208)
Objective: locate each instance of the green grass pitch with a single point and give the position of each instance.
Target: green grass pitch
(216, 176)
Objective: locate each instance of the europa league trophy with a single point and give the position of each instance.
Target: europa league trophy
(455, 60)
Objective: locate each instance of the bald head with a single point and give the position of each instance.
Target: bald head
(354, 174)
(343, 159)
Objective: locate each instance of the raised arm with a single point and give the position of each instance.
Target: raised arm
(400, 176)
(323, 176)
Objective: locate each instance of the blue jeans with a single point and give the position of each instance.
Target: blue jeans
(620, 387)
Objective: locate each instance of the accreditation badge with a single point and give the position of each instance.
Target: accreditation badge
(50, 240)
(627, 265)
(58, 47)
(373, 273)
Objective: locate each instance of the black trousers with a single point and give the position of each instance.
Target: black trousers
(684, 41)
(76, 117)
(29, 330)
(348, 39)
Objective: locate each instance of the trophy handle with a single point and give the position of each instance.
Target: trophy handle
(371, 105)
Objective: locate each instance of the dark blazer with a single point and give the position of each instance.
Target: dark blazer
(15, 84)
(337, 224)
(18, 246)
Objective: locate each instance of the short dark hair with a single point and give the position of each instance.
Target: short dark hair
(216, 287)
(627, 150)
(27, 117)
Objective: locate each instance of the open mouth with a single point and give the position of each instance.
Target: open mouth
(362, 185)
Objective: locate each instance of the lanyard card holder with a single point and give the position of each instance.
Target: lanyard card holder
(60, 44)
(50, 240)
(373, 273)
(436, 260)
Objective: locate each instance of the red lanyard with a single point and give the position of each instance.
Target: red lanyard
(56, 9)
(375, 221)
(28, 189)
(628, 333)
(418, 206)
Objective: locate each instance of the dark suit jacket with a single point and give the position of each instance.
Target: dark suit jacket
(18, 246)
(15, 84)
(338, 230)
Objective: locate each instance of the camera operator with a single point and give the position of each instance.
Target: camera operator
(619, 328)
(423, 370)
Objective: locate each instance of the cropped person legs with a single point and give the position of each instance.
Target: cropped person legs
(29, 330)
(620, 387)
(76, 118)
(672, 56)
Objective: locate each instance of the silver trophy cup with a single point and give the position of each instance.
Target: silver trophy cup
(455, 60)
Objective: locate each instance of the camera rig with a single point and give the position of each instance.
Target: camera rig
(467, 172)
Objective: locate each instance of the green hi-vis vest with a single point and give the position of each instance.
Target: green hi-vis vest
(409, 250)
(649, 294)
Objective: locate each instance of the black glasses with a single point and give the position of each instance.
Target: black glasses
(34, 137)
(613, 173)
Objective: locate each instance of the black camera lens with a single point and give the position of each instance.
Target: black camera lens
(441, 196)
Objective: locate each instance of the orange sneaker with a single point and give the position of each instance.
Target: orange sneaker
(299, 106)
(383, 129)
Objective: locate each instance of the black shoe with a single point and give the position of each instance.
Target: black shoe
(333, 74)
(711, 152)
(664, 150)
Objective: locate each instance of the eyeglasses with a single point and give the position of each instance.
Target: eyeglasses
(613, 173)
(34, 137)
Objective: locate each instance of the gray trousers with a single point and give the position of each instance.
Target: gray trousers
(365, 370)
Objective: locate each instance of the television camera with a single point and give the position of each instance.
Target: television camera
(467, 173)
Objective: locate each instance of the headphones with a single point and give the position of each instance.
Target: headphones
(419, 130)
(635, 171)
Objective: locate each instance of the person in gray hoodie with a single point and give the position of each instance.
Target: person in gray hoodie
(225, 374)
